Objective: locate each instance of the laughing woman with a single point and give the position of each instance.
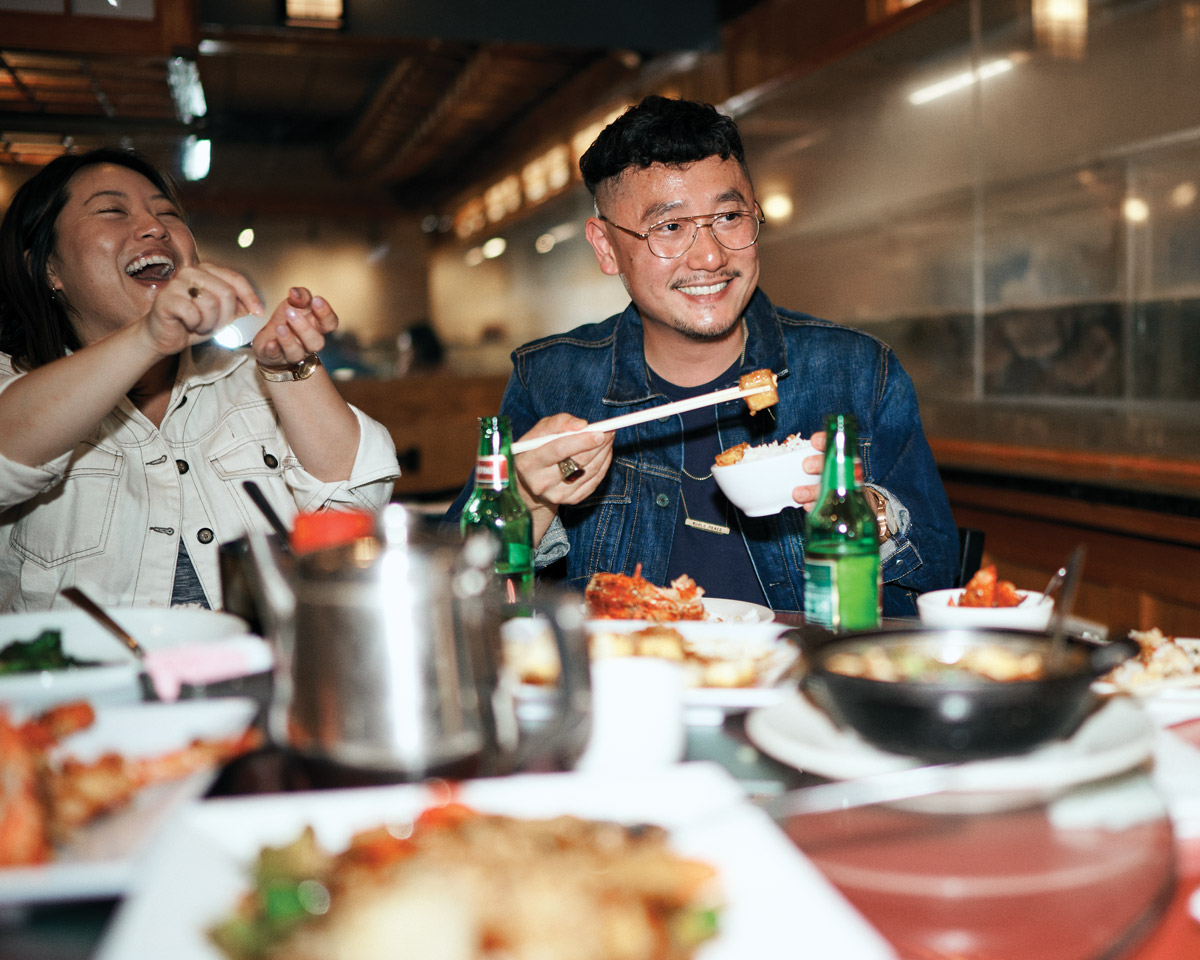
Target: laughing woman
(125, 433)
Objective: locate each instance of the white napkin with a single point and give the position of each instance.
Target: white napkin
(1177, 775)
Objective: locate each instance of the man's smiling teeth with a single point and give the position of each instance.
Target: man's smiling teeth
(141, 263)
(704, 291)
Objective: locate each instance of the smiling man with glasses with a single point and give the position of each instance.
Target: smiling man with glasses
(677, 220)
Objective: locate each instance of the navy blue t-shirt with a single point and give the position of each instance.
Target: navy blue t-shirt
(719, 563)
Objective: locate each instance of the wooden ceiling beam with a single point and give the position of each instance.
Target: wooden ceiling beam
(172, 32)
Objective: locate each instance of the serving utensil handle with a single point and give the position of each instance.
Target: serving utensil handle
(81, 599)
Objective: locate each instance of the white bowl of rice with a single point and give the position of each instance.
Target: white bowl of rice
(761, 481)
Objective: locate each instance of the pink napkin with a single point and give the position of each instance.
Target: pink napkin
(209, 662)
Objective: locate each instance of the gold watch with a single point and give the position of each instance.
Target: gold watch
(879, 502)
(293, 371)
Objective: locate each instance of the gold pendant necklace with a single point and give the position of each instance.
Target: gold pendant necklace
(701, 524)
(704, 525)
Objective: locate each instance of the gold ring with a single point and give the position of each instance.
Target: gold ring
(570, 470)
(193, 292)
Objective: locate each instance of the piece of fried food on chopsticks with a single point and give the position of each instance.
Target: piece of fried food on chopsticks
(760, 378)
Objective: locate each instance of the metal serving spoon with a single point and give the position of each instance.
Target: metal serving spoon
(1057, 628)
(81, 599)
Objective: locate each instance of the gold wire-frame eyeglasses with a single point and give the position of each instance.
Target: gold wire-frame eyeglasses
(738, 230)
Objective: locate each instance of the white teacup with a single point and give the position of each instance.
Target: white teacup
(637, 715)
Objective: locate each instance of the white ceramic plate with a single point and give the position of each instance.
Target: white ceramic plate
(99, 860)
(715, 609)
(1115, 738)
(116, 681)
(705, 706)
(730, 611)
(771, 892)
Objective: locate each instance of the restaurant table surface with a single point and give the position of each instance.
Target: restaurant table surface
(71, 931)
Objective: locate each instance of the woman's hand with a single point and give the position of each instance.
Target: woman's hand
(196, 302)
(297, 328)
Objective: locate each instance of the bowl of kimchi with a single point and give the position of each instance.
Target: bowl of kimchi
(986, 602)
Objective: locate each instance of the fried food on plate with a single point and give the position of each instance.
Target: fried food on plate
(462, 885)
(43, 799)
(615, 596)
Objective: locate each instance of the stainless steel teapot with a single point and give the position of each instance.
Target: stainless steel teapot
(389, 656)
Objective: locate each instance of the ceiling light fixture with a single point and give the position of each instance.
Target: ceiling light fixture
(197, 156)
(777, 205)
(324, 14)
(960, 81)
(186, 91)
(1060, 27)
(1135, 210)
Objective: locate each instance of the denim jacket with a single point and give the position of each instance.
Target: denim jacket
(598, 371)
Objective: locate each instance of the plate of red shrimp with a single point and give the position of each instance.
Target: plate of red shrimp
(86, 788)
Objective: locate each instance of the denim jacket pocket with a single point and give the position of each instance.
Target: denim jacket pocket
(607, 522)
(71, 520)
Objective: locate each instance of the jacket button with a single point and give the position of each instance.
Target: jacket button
(182, 465)
(269, 460)
(204, 535)
(663, 500)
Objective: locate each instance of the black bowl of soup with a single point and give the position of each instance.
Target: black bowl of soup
(947, 695)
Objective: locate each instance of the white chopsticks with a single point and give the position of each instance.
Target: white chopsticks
(642, 416)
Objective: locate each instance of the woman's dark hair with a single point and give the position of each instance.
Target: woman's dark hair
(35, 328)
(660, 130)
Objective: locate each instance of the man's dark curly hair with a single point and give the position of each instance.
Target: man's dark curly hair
(661, 130)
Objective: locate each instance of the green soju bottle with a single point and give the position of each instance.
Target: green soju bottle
(842, 588)
(497, 507)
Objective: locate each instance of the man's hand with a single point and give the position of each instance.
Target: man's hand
(806, 496)
(543, 485)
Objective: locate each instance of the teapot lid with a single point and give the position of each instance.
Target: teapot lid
(322, 529)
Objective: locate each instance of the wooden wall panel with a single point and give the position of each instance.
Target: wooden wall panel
(433, 419)
(1133, 577)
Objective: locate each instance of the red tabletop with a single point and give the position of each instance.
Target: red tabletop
(1177, 937)
(1012, 885)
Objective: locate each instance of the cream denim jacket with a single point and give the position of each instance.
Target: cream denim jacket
(109, 514)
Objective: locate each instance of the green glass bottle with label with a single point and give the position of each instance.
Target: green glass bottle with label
(842, 584)
(496, 507)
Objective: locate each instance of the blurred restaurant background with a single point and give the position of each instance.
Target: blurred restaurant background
(1005, 191)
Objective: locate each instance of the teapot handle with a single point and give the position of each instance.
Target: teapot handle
(565, 735)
